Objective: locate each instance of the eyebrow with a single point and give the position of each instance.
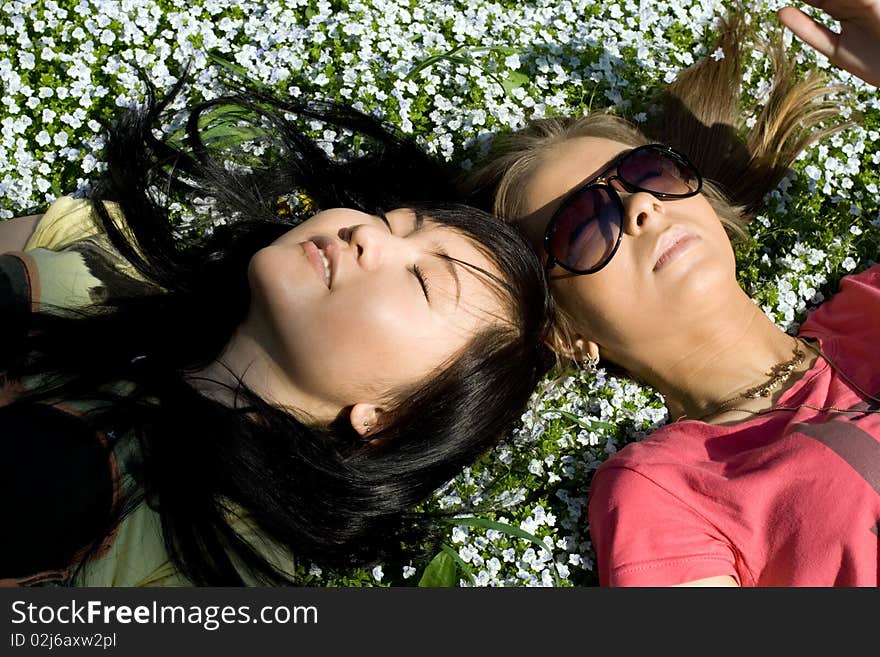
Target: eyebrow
(610, 166)
(574, 191)
(441, 253)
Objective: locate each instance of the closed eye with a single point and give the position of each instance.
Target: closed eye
(423, 281)
(417, 271)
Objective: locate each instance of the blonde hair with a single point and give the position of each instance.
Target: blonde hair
(701, 114)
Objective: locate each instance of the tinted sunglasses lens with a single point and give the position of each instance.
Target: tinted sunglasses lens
(586, 229)
(658, 171)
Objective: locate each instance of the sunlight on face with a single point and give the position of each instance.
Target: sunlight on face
(674, 261)
(352, 307)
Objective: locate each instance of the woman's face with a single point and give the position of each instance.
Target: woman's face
(639, 300)
(349, 307)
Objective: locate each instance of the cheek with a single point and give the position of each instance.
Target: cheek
(280, 276)
(717, 270)
(717, 234)
(589, 304)
(384, 336)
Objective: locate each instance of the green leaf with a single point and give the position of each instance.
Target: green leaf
(590, 425)
(514, 80)
(503, 50)
(442, 572)
(433, 59)
(219, 128)
(511, 530)
(462, 564)
(236, 70)
(228, 136)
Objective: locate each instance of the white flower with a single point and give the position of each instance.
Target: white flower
(467, 553)
(378, 574)
(408, 571)
(81, 57)
(529, 525)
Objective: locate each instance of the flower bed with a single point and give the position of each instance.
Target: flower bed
(452, 73)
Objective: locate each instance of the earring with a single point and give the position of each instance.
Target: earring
(591, 362)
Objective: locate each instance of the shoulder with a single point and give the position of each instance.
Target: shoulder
(70, 220)
(854, 308)
(47, 272)
(648, 533)
(671, 465)
(673, 442)
(275, 553)
(136, 557)
(65, 221)
(70, 261)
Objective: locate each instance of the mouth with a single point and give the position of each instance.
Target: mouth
(319, 260)
(672, 243)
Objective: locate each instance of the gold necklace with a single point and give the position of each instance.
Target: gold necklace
(779, 374)
(818, 351)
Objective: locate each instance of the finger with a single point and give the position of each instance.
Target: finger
(840, 9)
(809, 31)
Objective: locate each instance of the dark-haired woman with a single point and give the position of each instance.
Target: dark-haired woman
(225, 409)
(768, 474)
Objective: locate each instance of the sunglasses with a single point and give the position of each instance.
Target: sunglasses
(585, 231)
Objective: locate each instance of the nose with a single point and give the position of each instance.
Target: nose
(641, 211)
(370, 244)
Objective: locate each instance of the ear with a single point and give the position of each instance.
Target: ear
(366, 419)
(573, 347)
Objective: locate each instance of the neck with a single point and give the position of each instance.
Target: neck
(240, 361)
(698, 369)
(244, 359)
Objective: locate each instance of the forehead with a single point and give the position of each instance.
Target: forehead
(447, 239)
(563, 168)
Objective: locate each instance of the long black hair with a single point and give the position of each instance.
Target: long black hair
(321, 492)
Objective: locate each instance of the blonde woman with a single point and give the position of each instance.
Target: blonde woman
(769, 472)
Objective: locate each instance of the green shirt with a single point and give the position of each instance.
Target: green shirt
(67, 263)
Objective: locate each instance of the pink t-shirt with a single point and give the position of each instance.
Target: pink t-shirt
(784, 499)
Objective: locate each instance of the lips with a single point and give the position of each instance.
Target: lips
(319, 261)
(672, 243)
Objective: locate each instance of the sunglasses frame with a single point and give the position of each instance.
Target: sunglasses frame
(603, 182)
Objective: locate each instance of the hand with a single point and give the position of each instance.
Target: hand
(856, 49)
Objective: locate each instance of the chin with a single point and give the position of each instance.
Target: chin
(708, 284)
